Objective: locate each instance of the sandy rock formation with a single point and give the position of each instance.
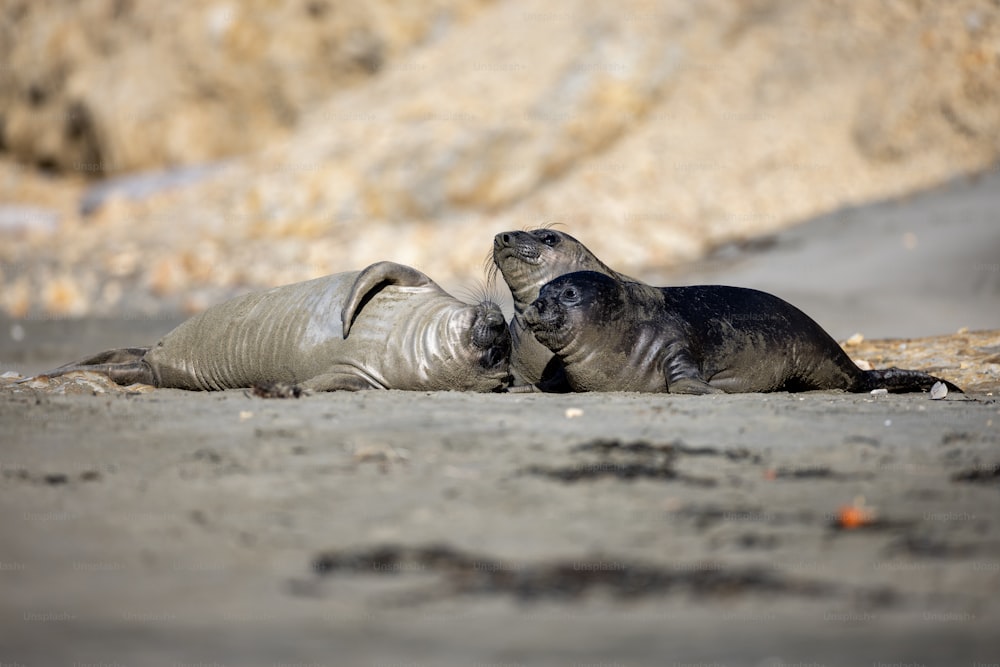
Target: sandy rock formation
(107, 86)
(653, 131)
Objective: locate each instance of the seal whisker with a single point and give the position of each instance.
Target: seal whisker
(469, 294)
(551, 224)
(481, 291)
(490, 268)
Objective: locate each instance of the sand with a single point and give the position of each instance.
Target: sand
(181, 528)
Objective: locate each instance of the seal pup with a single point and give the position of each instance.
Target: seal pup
(615, 335)
(527, 260)
(388, 326)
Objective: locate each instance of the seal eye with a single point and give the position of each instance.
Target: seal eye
(569, 295)
(548, 238)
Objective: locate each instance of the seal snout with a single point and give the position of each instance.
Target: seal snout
(491, 336)
(533, 313)
(502, 241)
(519, 245)
(506, 239)
(542, 311)
(490, 328)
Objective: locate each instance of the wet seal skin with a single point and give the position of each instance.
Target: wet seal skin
(527, 260)
(388, 326)
(619, 335)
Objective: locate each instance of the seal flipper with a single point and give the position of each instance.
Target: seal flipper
(338, 381)
(117, 356)
(554, 380)
(692, 386)
(682, 374)
(375, 277)
(901, 380)
(124, 366)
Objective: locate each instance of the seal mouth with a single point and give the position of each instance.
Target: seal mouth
(491, 335)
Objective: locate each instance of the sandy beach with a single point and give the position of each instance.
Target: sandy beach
(455, 529)
(400, 528)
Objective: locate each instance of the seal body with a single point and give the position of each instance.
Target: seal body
(388, 326)
(527, 260)
(615, 335)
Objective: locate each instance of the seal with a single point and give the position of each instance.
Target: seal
(388, 326)
(527, 260)
(616, 335)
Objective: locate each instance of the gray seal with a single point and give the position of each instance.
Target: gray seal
(615, 335)
(386, 327)
(527, 260)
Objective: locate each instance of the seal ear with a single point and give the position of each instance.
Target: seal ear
(374, 278)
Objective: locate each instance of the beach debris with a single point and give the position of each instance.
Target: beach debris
(379, 451)
(939, 391)
(78, 383)
(856, 339)
(856, 515)
(277, 390)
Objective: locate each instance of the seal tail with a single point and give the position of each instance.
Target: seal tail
(901, 380)
(124, 366)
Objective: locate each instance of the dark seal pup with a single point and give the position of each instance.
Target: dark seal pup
(615, 335)
(528, 260)
(386, 327)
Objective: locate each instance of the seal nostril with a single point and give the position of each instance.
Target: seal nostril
(505, 238)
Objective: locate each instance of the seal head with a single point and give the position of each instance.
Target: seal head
(483, 345)
(568, 305)
(528, 260)
(490, 336)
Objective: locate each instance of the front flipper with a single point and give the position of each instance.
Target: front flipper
(338, 382)
(692, 386)
(374, 278)
(682, 373)
(554, 380)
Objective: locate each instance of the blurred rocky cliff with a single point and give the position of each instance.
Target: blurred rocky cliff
(105, 86)
(340, 133)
